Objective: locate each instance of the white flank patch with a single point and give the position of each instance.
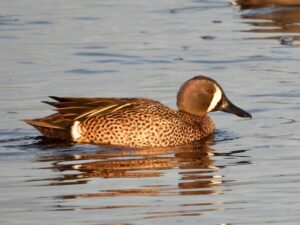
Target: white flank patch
(77, 156)
(217, 97)
(233, 2)
(76, 167)
(75, 131)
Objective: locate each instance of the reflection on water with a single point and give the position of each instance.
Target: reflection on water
(197, 174)
(138, 163)
(283, 22)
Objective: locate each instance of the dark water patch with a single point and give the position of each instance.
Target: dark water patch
(135, 61)
(224, 135)
(20, 139)
(8, 37)
(242, 60)
(287, 120)
(86, 18)
(275, 102)
(110, 61)
(12, 112)
(64, 183)
(12, 135)
(131, 62)
(208, 37)
(12, 21)
(199, 6)
(94, 47)
(258, 110)
(113, 58)
(235, 153)
(218, 68)
(280, 52)
(178, 59)
(108, 207)
(182, 10)
(286, 40)
(185, 47)
(217, 21)
(87, 71)
(11, 155)
(156, 61)
(26, 62)
(39, 22)
(177, 213)
(102, 54)
(144, 32)
(11, 143)
(281, 39)
(34, 143)
(295, 107)
(243, 162)
(274, 94)
(8, 20)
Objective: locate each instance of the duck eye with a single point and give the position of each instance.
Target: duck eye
(211, 91)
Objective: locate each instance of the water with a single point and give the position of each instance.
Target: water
(248, 173)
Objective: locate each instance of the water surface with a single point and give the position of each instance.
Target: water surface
(247, 173)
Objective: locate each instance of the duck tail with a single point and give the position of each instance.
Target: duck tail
(52, 127)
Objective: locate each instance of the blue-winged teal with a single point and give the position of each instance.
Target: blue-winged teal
(138, 122)
(263, 3)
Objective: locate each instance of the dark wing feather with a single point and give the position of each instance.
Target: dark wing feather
(82, 108)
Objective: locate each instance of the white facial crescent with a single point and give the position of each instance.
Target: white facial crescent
(216, 99)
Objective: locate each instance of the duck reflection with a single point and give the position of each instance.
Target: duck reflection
(284, 21)
(84, 172)
(196, 170)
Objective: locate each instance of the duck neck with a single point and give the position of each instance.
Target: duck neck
(191, 118)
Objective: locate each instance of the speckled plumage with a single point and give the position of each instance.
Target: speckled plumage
(137, 122)
(150, 124)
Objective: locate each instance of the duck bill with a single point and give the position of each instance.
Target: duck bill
(229, 107)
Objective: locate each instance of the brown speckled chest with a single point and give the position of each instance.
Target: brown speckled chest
(146, 125)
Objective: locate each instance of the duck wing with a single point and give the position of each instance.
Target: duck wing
(82, 108)
(68, 110)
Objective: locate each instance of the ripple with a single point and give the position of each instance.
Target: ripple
(103, 54)
(87, 71)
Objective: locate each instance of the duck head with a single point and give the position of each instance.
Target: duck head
(201, 95)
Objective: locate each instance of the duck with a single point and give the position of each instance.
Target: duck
(138, 122)
(265, 3)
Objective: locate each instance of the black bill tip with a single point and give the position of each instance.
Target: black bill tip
(229, 107)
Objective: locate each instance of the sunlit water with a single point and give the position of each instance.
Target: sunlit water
(247, 173)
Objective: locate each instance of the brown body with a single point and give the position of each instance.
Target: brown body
(142, 122)
(138, 122)
(151, 124)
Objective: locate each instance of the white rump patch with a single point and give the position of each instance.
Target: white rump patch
(216, 99)
(75, 131)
